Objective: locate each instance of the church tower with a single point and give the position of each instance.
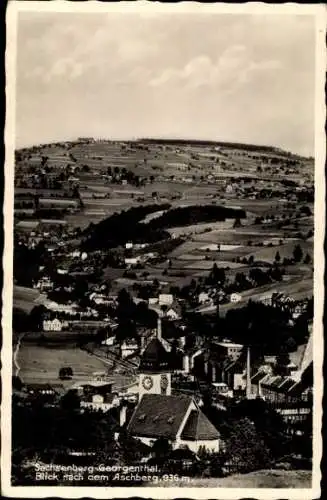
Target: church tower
(155, 374)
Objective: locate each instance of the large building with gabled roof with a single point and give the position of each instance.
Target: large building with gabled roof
(176, 418)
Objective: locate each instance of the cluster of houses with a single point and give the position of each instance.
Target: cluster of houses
(162, 409)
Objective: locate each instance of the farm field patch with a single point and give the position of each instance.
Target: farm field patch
(208, 264)
(286, 251)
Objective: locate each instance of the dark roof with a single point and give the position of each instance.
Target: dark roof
(155, 357)
(277, 381)
(287, 385)
(257, 377)
(198, 427)
(158, 415)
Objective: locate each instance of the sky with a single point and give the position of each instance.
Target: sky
(242, 78)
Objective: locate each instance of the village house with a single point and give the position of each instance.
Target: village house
(129, 347)
(99, 402)
(44, 284)
(165, 299)
(235, 297)
(174, 312)
(228, 349)
(98, 299)
(204, 298)
(44, 389)
(54, 325)
(109, 341)
(132, 261)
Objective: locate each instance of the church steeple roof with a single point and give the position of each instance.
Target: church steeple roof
(155, 357)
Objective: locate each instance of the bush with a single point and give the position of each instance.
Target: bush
(65, 373)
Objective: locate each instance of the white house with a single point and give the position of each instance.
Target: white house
(235, 297)
(75, 254)
(129, 347)
(153, 300)
(62, 271)
(44, 284)
(166, 299)
(109, 341)
(230, 349)
(99, 402)
(54, 325)
(129, 246)
(132, 261)
(204, 298)
(172, 313)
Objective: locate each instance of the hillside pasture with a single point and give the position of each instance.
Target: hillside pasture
(25, 298)
(41, 364)
(206, 265)
(268, 254)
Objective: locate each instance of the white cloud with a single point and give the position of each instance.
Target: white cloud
(233, 68)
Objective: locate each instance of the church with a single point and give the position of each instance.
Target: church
(161, 414)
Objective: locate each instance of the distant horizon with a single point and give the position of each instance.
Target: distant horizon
(162, 139)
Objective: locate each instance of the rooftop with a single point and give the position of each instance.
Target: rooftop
(158, 415)
(198, 427)
(155, 357)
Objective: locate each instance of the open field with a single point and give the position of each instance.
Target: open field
(298, 479)
(285, 251)
(26, 298)
(41, 364)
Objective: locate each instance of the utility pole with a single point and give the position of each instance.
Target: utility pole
(248, 374)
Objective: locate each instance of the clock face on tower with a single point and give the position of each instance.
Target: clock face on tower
(147, 383)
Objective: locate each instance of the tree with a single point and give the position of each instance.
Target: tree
(245, 447)
(17, 384)
(217, 275)
(70, 401)
(277, 257)
(36, 317)
(20, 320)
(65, 373)
(307, 259)
(161, 448)
(298, 253)
(237, 223)
(126, 306)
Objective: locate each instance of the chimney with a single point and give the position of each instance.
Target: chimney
(159, 331)
(186, 363)
(122, 415)
(248, 374)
